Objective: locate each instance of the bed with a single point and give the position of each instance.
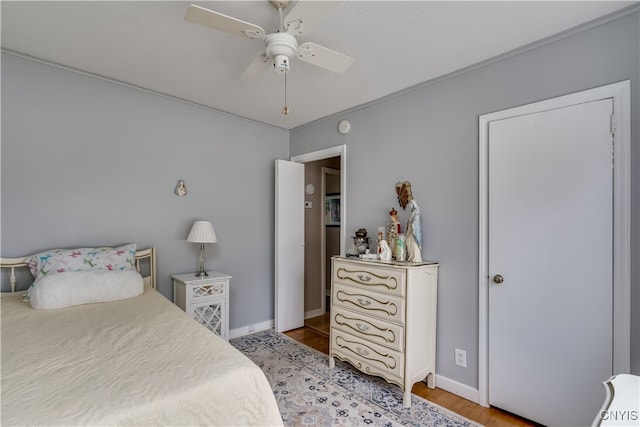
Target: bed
(131, 361)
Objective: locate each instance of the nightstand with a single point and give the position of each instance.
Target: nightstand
(205, 299)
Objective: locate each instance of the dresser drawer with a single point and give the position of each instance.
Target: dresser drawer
(377, 278)
(368, 357)
(369, 328)
(383, 306)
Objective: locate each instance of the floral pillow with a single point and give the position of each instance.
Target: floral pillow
(83, 259)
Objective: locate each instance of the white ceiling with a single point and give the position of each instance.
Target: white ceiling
(395, 44)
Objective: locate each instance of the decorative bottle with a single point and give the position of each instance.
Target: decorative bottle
(401, 252)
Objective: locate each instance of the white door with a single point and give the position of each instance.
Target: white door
(289, 246)
(550, 240)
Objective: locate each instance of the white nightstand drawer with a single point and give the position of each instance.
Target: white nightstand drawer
(206, 290)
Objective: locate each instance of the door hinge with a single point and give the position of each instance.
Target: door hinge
(613, 124)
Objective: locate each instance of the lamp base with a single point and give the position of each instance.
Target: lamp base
(201, 271)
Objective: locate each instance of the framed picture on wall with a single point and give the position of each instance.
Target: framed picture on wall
(332, 210)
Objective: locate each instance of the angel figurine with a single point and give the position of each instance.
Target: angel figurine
(413, 240)
(384, 251)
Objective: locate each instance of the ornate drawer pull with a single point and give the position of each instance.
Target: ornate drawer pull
(386, 359)
(362, 351)
(361, 327)
(388, 307)
(385, 333)
(364, 278)
(364, 303)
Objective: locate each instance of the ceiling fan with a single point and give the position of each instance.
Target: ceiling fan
(280, 46)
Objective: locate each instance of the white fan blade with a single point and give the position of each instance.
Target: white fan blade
(306, 14)
(218, 21)
(259, 65)
(324, 57)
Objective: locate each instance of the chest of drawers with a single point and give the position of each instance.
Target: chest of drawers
(383, 319)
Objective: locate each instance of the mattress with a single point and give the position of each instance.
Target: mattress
(139, 361)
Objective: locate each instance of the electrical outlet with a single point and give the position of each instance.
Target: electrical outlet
(461, 358)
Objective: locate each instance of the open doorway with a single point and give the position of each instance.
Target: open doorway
(330, 240)
(322, 237)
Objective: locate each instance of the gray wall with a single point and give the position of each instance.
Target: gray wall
(90, 162)
(430, 135)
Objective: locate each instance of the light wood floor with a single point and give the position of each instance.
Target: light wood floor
(315, 334)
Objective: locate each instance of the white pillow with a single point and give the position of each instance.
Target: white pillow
(57, 261)
(84, 287)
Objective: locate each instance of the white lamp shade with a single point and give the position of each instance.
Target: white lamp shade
(202, 232)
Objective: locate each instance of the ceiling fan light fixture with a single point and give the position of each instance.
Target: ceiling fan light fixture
(281, 44)
(281, 64)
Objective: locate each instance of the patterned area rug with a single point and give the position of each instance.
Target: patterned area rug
(309, 393)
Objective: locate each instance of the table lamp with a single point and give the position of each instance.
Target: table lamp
(202, 232)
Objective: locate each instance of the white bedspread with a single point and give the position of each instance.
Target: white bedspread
(139, 361)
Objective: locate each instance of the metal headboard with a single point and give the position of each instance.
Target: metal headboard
(148, 255)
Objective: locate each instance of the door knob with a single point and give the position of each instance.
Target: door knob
(498, 279)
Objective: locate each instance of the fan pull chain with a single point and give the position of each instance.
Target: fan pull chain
(285, 110)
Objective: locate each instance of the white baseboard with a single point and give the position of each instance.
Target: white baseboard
(313, 313)
(249, 329)
(268, 324)
(457, 388)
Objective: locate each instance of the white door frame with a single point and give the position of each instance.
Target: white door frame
(341, 151)
(327, 153)
(620, 93)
